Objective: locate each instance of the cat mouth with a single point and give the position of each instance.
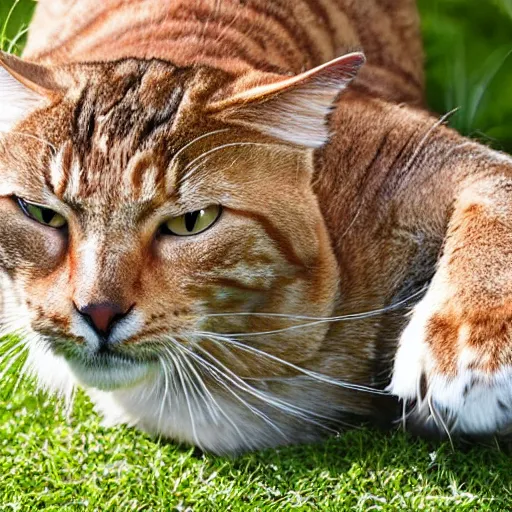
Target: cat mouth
(107, 371)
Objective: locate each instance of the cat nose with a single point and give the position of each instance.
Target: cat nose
(102, 317)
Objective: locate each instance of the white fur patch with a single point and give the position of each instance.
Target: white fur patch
(56, 174)
(52, 371)
(74, 180)
(90, 268)
(159, 406)
(127, 328)
(81, 329)
(16, 101)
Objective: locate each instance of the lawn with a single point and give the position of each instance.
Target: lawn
(51, 462)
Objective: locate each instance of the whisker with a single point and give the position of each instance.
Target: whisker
(205, 395)
(22, 374)
(439, 419)
(197, 394)
(221, 379)
(9, 320)
(12, 361)
(422, 143)
(19, 345)
(314, 375)
(272, 400)
(218, 148)
(31, 136)
(235, 379)
(231, 355)
(193, 141)
(314, 320)
(203, 163)
(164, 397)
(185, 390)
(69, 401)
(404, 415)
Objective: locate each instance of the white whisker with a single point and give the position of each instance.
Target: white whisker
(421, 144)
(219, 148)
(314, 320)
(206, 396)
(197, 392)
(192, 142)
(166, 391)
(24, 371)
(17, 346)
(184, 388)
(314, 375)
(30, 136)
(221, 378)
(439, 419)
(69, 401)
(12, 361)
(272, 400)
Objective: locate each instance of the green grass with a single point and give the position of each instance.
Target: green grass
(50, 462)
(53, 463)
(469, 65)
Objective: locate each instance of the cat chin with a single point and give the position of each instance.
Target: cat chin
(59, 376)
(112, 373)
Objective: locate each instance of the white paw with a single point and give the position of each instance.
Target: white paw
(469, 397)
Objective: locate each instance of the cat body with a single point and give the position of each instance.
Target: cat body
(281, 320)
(246, 38)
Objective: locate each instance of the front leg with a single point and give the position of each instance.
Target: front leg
(453, 367)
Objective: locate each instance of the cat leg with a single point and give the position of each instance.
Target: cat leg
(453, 367)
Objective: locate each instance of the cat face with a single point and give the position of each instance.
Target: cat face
(148, 210)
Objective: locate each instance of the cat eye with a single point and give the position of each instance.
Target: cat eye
(42, 214)
(192, 223)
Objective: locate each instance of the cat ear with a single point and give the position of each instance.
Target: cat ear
(294, 110)
(24, 86)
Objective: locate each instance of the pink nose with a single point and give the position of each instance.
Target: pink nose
(101, 317)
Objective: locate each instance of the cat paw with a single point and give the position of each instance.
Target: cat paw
(453, 370)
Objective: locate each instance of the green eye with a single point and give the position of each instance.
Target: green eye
(42, 215)
(192, 223)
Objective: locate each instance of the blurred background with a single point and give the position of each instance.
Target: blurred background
(468, 47)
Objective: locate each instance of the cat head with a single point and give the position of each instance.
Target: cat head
(149, 211)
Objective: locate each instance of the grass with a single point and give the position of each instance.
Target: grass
(50, 462)
(469, 65)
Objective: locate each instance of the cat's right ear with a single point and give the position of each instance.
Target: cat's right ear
(24, 87)
(294, 109)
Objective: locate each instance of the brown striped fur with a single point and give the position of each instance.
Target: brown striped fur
(134, 112)
(240, 37)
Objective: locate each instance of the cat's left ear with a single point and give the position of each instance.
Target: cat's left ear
(24, 86)
(294, 110)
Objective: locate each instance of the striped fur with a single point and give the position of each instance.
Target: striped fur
(280, 323)
(240, 37)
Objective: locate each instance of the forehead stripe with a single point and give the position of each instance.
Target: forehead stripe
(60, 167)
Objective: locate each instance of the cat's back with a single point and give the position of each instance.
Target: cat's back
(270, 35)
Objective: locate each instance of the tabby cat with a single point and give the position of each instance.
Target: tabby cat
(194, 234)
